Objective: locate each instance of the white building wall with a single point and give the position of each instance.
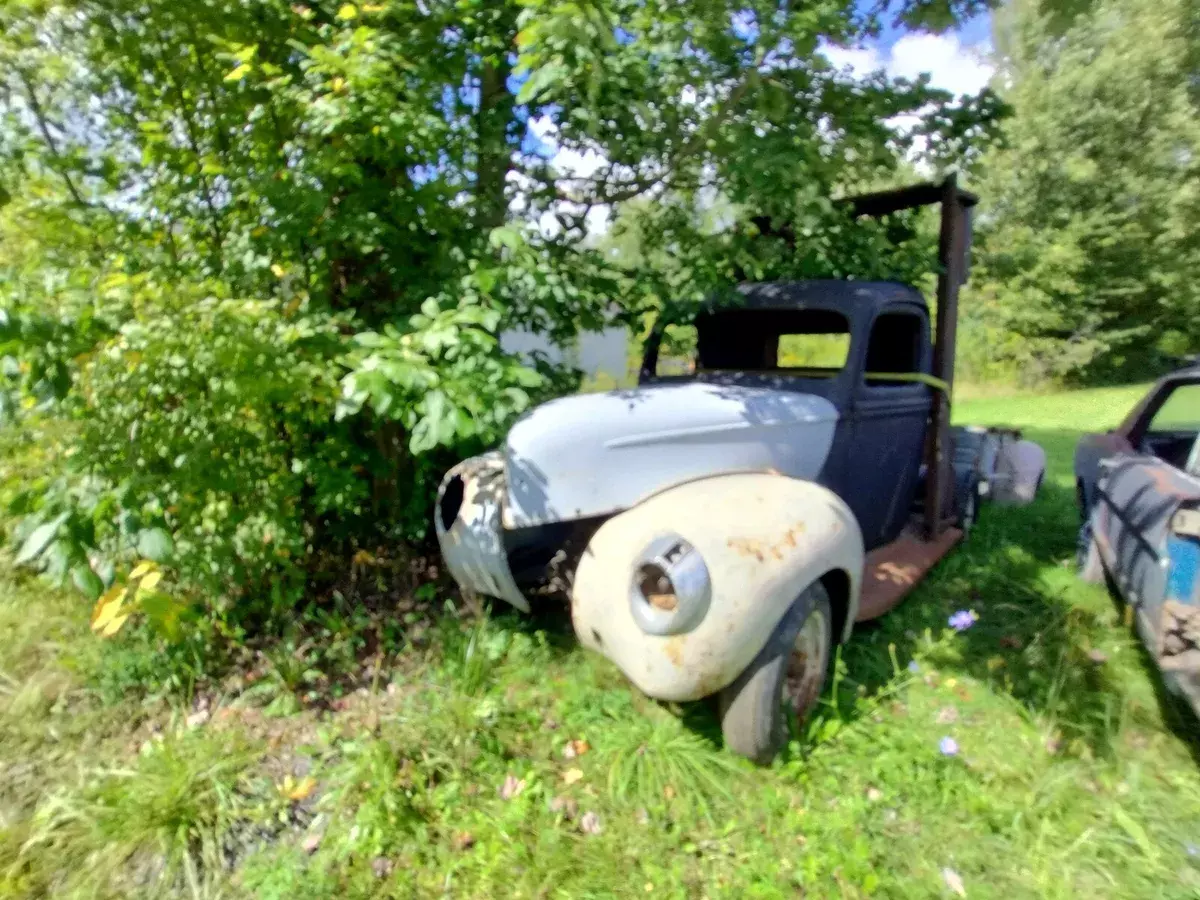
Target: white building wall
(594, 352)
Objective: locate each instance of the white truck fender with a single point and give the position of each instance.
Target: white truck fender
(763, 539)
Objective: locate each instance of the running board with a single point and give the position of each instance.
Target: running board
(894, 569)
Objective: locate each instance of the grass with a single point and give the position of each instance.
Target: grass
(499, 760)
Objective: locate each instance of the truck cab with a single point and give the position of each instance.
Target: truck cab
(862, 346)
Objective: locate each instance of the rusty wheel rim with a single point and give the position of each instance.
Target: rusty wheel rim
(806, 665)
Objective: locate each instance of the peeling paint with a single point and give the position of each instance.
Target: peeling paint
(674, 650)
(760, 549)
(897, 574)
(1179, 637)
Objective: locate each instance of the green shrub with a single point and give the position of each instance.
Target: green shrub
(242, 445)
(216, 423)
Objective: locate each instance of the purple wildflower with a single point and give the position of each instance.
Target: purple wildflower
(963, 619)
(914, 666)
(948, 746)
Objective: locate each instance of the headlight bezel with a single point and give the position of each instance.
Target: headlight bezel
(670, 587)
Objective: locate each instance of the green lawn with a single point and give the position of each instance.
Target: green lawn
(449, 771)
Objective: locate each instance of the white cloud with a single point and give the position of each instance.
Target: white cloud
(861, 61)
(566, 160)
(567, 163)
(595, 221)
(951, 65)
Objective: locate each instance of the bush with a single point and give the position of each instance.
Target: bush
(216, 423)
(243, 445)
(206, 440)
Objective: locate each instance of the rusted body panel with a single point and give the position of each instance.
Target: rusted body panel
(1091, 449)
(1142, 514)
(764, 539)
(1152, 565)
(896, 568)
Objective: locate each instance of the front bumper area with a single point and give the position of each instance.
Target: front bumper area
(469, 531)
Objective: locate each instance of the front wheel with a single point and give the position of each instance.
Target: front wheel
(788, 674)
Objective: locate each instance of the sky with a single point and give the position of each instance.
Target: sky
(956, 61)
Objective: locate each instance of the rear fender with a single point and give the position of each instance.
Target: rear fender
(763, 539)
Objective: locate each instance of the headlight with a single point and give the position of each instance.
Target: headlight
(671, 588)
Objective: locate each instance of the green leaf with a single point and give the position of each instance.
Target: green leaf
(155, 544)
(106, 570)
(505, 236)
(347, 11)
(239, 73)
(163, 613)
(1136, 833)
(39, 540)
(87, 581)
(527, 377)
(486, 279)
(539, 81)
(58, 558)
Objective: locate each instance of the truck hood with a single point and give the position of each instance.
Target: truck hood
(595, 454)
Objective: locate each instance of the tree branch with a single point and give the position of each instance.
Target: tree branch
(39, 113)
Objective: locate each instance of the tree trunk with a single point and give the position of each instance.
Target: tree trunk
(495, 117)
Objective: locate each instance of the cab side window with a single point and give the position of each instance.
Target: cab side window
(1179, 413)
(895, 347)
(1173, 431)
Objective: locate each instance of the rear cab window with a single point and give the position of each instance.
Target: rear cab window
(896, 348)
(676, 351)
(811, 343)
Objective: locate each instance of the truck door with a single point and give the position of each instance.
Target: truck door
(889, 411)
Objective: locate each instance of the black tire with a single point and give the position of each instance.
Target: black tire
(753, 716)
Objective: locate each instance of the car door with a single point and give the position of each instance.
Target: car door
(889, 412)
(1139, 496)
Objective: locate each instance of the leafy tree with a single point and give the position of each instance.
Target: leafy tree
(360, 196)
(1091, 215)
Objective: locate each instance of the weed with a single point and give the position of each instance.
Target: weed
(653, 759)
(158, 820)
(373, 799)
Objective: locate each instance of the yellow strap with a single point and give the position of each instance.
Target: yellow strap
(920, 377)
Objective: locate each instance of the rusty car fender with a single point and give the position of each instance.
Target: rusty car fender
(763, 538)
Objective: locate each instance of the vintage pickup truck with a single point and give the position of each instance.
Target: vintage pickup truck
(720, 526)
